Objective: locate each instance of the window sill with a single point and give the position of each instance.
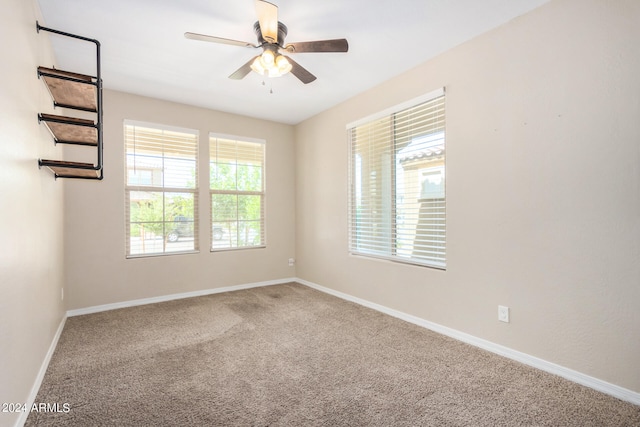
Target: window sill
(137, 256)
(237, 249)
(408, 261)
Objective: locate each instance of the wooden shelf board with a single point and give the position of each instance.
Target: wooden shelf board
(62, 73)
(71, 133)
(66, 92)
(71, 169)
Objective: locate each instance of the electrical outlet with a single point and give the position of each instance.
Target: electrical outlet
(503, 313)
(61, 294)
(291, 262)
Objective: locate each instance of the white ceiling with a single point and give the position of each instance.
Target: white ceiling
(144, 51)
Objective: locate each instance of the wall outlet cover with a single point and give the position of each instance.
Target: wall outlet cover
(503, 313)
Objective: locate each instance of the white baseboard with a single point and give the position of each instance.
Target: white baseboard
(95, 309)
(43, 370)
(163, 298)
(569, 374)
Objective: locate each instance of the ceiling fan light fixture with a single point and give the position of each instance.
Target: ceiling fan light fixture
(283, 65)
(268, 58)
(271, 65)
(258, 66)
(274, 72)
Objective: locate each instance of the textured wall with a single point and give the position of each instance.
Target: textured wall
(97, 271)
(31, 209)
(543, 190)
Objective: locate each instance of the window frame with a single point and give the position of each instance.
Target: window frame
(163, 189)
(376, 231)
(237, 192)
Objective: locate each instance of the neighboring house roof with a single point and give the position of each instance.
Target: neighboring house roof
(428, 147)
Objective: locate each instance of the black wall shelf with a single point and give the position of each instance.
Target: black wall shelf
(79, 92)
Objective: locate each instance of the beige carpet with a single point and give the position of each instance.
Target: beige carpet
(288, 355)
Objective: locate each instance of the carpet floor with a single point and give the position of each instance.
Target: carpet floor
(288, 355)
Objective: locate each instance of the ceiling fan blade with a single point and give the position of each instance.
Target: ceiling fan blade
(300, 72)
(335, 45)
(242, 72)
(268, 19)
(205, 38)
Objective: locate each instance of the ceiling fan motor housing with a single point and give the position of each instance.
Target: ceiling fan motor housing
(282, 33)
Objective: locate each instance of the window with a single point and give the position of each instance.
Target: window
(237, 192)
(397, 183)
(161, 192)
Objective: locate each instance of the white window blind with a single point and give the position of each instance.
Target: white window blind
(237, 187)
(161, 193)
(397, 183)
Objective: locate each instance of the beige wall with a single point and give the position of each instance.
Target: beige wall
(543, 190)
(31, 208)
(97, 271)
(543, 198)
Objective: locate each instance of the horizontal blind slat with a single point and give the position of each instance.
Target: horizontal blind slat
(237, 192)
(396, 168)
(161, 190)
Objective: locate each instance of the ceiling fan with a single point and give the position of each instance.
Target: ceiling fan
(271, 34)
